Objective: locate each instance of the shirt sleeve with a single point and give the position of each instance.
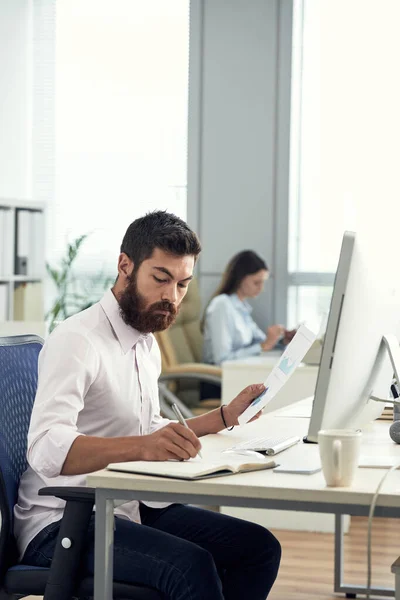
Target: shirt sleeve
(219, 323)
(67, 367)
(258, 334)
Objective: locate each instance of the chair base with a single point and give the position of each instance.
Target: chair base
(18, 584)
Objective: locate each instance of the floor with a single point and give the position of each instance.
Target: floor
(306, 571)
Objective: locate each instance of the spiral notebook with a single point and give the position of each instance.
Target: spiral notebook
(192, 469)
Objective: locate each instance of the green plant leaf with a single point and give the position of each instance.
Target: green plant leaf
(54, 274)
(73, 293)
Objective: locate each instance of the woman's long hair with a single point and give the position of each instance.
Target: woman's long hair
(242, 264)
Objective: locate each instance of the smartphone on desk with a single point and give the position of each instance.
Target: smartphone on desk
(299, 468)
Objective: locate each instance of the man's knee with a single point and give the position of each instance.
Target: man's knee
(200, 561)
(197, 577)
(276, 548)
(266, 543)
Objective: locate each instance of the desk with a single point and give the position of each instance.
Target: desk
(262, 489)
(237, 374)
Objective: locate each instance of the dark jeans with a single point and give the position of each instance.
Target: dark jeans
(186, 553)
(209, 390)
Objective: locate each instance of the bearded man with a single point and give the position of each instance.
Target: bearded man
(97, 403)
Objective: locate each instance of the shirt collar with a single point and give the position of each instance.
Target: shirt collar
(127, 336)
(241, 304)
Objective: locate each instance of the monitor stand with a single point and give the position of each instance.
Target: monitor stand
(389, 344)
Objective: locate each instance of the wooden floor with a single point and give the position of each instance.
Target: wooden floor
(306, 571)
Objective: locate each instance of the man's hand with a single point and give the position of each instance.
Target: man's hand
(172, 441)
(241, 402)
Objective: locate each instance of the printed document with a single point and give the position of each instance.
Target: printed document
(288, 362)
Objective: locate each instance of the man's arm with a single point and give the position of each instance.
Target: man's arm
(68, 365)
(88, 453)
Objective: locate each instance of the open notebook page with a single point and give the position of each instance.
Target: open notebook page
(194, 468)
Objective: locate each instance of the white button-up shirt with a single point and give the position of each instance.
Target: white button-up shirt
(99, 377)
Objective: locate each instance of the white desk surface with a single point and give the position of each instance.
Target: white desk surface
(267, 485)
(266, 359)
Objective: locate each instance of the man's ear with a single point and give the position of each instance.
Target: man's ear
(125, 266)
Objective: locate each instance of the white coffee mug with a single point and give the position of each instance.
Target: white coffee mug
(339, 450)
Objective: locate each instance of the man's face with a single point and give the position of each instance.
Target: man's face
(153, 293)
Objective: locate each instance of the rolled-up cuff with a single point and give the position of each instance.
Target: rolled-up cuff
(158, 422)
(47, 455)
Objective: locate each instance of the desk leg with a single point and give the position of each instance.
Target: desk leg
(338, 552)
(103, 548)
(350, 591)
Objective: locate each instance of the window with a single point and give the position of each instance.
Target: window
(310, 220)
(316, 224)
(344, 138)
(121, 120)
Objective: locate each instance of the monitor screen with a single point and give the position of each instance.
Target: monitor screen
(365, 306)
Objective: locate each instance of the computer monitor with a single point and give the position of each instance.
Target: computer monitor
(365, 306)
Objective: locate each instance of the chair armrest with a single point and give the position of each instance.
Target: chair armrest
(66, 563)
(200, 368)
(194, 371)
(76, 494)
(167, 399)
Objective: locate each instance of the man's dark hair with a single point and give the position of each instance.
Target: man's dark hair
(159, 229)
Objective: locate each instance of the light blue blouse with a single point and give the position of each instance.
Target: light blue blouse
(229, 330)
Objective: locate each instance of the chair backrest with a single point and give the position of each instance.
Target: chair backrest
(183, 341)
(18, 383)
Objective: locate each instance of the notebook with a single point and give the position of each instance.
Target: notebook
(192, 469)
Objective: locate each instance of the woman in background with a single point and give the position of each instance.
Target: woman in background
(229, 330)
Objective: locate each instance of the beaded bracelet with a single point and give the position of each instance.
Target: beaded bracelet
(223, 419)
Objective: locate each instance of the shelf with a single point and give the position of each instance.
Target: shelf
(22, 240)
(19, 278)
(7, 203)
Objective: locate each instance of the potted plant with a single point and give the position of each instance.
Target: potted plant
(73, 293)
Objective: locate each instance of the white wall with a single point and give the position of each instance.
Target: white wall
(239, 106)
(15, 98)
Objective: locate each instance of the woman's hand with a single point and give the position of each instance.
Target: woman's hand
(239, 404)
(274, 334)
(288, 336)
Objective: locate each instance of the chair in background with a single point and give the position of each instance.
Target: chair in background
(18, 382)
(181, 348)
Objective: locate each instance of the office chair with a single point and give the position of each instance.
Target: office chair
(18, 382)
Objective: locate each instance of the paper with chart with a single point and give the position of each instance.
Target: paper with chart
(287, 364)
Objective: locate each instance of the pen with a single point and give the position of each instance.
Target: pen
(181, 419)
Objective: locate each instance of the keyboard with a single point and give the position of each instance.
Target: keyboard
(269, 445)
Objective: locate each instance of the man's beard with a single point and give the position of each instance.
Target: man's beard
(133, 312)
